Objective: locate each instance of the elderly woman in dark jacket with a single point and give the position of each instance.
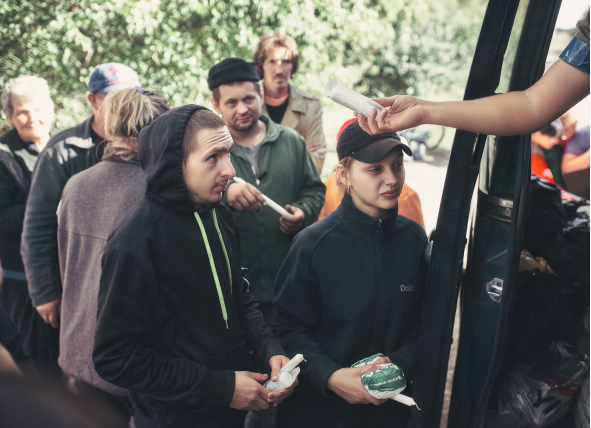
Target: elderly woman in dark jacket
(28, 107)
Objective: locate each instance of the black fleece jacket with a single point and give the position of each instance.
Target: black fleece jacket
(161, 331)
(350, 287)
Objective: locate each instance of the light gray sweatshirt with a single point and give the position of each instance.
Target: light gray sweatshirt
(92, 204)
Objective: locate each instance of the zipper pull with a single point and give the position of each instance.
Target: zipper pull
(255, 175)
(380, 226)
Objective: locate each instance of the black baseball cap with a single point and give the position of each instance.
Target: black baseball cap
(232, 70)
(358, 144)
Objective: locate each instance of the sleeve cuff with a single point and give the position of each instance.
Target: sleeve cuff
(45, 298)
(320, 378)
(219, 387)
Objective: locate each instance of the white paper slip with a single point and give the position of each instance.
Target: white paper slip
(270, 203)
(349, 98)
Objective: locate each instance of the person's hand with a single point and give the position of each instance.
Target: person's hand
(50, 312)
(401, 112)
(249, 394)
(7, 363)
(276, 397)
(291, 224)
(312, 147)
(347, 384)
(245, 197)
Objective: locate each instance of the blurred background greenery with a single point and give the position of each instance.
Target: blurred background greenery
(414, 47)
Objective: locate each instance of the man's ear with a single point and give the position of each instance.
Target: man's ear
(216, 106)
(8, 119)
(92, 101)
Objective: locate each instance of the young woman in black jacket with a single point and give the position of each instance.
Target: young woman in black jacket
(351, 287)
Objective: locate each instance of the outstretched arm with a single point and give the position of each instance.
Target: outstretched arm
(513, 113)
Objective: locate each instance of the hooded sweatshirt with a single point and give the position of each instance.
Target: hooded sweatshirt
(174, 317)
(351, 286)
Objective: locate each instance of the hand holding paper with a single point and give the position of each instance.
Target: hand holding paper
(266, 200)
(350, 99)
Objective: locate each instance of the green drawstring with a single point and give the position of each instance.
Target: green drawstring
(247, 283)
(215, 220)
(212, 264)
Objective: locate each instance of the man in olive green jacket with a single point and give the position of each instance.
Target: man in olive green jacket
(273, 160)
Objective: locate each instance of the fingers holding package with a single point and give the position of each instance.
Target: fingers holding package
(401, 112)
(249, 394)
(347, 384)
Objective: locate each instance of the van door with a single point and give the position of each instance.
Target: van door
(491, 273)
(496, 236)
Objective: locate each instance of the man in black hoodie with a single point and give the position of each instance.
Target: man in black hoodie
(176, 323)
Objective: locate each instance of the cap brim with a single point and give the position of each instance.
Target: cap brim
(376, 151)
(118, 86)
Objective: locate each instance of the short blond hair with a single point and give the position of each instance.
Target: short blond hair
(126, 111)
(200, 120)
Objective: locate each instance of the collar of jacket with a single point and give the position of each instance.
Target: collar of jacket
(363, 225)
(297, 101)
(82, 132)
(274, 131)
(120, 154)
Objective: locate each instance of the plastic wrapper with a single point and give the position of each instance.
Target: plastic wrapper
(349, 98)
(385, 382)
(581, 409)
(536, 395)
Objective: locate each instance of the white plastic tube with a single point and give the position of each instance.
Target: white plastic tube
(349, 98)
(270, 202)
(293, 363)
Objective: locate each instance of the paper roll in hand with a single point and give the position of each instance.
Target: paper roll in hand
(271, 203)
(287, 375)
(349, 98)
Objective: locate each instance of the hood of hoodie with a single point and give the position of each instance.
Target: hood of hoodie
(160, 148)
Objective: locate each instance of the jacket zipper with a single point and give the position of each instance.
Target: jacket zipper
(378, 288)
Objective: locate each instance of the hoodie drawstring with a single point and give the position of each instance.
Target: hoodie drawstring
(215, 220)
(212, 263)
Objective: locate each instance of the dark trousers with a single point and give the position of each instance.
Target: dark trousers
(40, 341)
(308, 408)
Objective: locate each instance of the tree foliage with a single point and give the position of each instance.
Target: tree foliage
(396, 46)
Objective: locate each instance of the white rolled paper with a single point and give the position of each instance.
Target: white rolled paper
(270, 202)
(405, 400)
(349, 98)
(293, 363)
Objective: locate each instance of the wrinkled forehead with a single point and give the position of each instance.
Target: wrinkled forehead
(217, 140)
(30, 101)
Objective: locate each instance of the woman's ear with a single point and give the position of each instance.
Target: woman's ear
(342, 175)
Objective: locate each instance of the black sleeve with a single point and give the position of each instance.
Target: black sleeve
(11, 213)
(405, 356)
(39, 240)
(259, 337)
(130, 321)
(297, 306)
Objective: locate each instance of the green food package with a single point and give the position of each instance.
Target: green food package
(385, 382)
(368, 360)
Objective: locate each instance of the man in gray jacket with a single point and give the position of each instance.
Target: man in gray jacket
(277, 61)
(66, 154)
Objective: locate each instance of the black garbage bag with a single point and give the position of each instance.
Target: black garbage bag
(569, 252)
(546, 218)
(538, 394)
(546, 309)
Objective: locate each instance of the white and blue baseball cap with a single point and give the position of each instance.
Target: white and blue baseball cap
(112, 76)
